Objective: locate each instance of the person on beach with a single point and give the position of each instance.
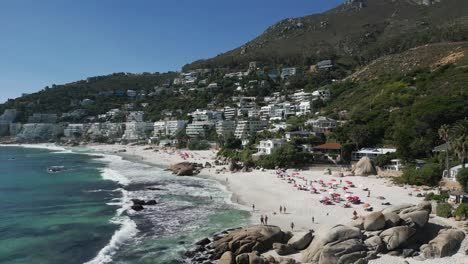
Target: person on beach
(354, 214)
(281, 209)
(211, 197)
(253, 207)
(313, 220)
(292, 226)
(368, 193)
(261, 219)
(284, 209)
(227, 179)
(266, 219)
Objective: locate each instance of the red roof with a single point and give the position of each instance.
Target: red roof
(329, 146)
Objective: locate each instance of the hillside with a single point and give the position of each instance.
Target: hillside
(402, 99)
(353, 33)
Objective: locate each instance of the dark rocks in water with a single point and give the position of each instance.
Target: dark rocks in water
(203, 242)
(154, 189)
(138, 202)
(137, 207)
(151, 202)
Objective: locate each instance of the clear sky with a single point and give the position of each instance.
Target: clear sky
(43, 42)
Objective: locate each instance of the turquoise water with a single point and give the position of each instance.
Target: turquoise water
(52, 217)
(82, 215)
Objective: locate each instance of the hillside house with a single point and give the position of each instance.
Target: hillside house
(322, 124)
(286, 73)
(268, 146)
(372, 153)
(453, 172)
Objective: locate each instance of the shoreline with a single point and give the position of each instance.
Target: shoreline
(268, 191)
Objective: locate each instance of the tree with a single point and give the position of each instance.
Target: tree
(462, 178)
(460, 145)
(359, 135)
(444, 134)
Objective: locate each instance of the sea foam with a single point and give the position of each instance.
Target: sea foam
(128, 230)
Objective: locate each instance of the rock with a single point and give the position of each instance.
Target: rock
(254, 258)
(137, 207)
(374, 221)
(375, 244)
(396, 236)
(347, 251)
(358, 223)
(419, 218)
(396, 208)
(227, 258)
(205, 241)
(283, 249)
(301, 240)
(392, 219)
(327, 237)
(364, 167)
(151, 202)
(183, 168)
(408, 252)
(138, 202)
(258, 238)
(287, 236)
(282, 260)
(446, 244)
(243, 259)
(208, 165)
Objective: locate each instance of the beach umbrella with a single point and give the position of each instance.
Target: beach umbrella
(366, 205)
(313, 189)
(345, 188)
(333, 180)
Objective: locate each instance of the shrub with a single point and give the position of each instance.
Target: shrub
(462, 210)
(462, 178)
(198, 145)
(436, 197)
(444, 210)
(430, 175)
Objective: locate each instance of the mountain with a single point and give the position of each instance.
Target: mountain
(353, 33)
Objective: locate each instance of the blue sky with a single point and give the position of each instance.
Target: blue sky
(59, 41)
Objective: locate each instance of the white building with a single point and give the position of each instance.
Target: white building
(212, 86)
(371, 153)
(290, 135)
(230, 113)
(301, 96)
(322, 124)
(135, 131)
(395, 165)
(74, 130)
(206, 115)
(304, 108)
(198, 128)
(168, 128)
(453, 172)
(225, 128)
(268, 146)
(159, 129)
(131, 93)
(288, 72)
(247, 128)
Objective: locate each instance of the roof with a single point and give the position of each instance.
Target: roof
(441, 148)
(329, 146)
(376, 150)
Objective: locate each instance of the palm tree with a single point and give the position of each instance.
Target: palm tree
(444, 134)
(460, 130)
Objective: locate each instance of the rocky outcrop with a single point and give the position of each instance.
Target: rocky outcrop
(364, 167)
(396, 236)
(374, 221)
(446, 243)
(256, 238)
(185, 168)
(301, 240)
(227, 258)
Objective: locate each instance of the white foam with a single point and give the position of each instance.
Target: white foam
(128, 230)
(112, 175)
(38, 146)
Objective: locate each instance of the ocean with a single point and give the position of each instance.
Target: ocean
(83, 215)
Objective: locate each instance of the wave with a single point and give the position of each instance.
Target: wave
(128, 230)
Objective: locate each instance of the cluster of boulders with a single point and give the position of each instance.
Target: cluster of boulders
(138, 205)
(402, 230)
(186, 168)
(245, 246)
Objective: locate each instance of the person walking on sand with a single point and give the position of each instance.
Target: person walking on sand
(266, 219)
(354, 214)
(253, 207)
(292, 226)
(284, 209)
(261, 219)
(368, 193)
(313, 220)
(281, 209)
